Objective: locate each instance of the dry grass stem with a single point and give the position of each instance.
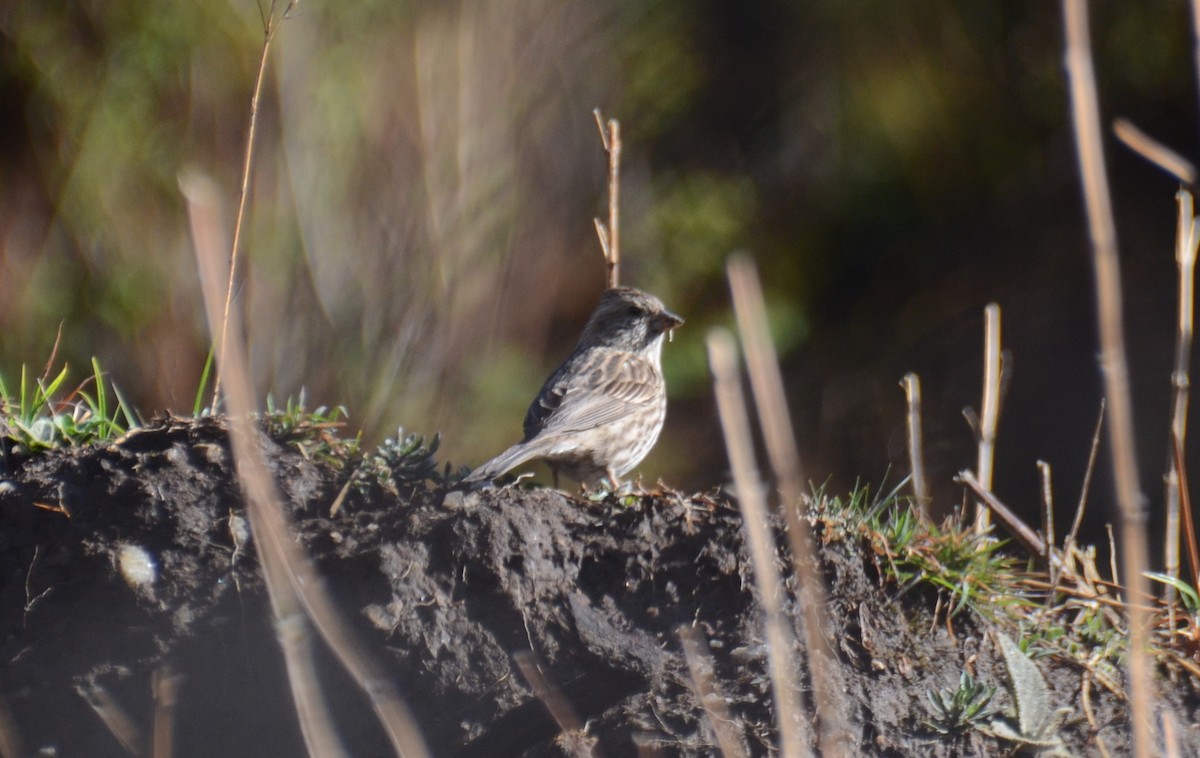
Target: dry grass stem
(544, 690)
(911, 383)
(731, 407)
(269, 27)
(1047, 510)
(1068, 545)
(990, 413)
(1088, 588)
(1112, 555)
(115, 718)
(1018, 528)
(53, 354)
(1189, 527)
(295, 640)
(1155, 152)
(1170, 732)
(610, 235)
(1068, 549)
(771, 404)
(1085, 111)
(727, 730)
(292, 583)
(164, 685)
(766, 382)
(1186, 240)
(262, 506)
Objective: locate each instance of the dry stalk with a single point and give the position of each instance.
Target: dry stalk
(1186, 241)
(262, 508)
(1155, 152)
(911, 383)
(1085, 488)
(1068, 549)
(610, 235)
(1018, 528)
(990, 414)
(1047, 511)
(1189, 527)
(1085, 111)
(53, 354)
(731, 407)
(117, 719)
(556, 703)
(1170, 735)
(293, 585)
(164, 685)
(771, 403)
(726, 728)
(269, 27)
(1112, 555)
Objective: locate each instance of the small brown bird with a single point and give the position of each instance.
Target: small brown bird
(601, 411)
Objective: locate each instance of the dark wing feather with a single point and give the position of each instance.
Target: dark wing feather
(617, 384)
(548, 399)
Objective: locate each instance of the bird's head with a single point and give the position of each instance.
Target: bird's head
(628, 319)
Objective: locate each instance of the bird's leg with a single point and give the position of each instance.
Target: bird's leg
(554, 475)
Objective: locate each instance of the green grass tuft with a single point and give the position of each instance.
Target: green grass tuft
(40, 416)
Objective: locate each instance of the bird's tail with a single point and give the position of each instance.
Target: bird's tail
(503, 463)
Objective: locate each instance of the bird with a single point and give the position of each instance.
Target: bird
(602, 409)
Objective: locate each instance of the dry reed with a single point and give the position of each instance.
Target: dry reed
(771, 403)
(1085, 111)
(990, 408)
(731, 407)
(911, 383)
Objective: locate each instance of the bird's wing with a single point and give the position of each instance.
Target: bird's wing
(549, 399)
(618, 384)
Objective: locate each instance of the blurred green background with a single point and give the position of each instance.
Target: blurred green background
(420, 246)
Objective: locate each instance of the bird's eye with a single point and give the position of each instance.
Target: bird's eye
(633, 310)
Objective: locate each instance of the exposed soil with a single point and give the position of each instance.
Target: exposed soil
(443, 591)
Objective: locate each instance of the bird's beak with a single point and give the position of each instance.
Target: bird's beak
(667, 322)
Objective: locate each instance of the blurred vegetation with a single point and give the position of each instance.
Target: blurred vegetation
(420, 246)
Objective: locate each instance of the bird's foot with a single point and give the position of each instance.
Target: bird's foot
(607, 488)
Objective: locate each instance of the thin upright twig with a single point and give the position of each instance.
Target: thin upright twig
(1189, 527)
(990, 412)
(1186, 240)
(610, 234)
(269, 28)
(1086, 488)
(731, 407)
(1085, 111)
(1047, 510)
(771, 403)
(911, 383)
